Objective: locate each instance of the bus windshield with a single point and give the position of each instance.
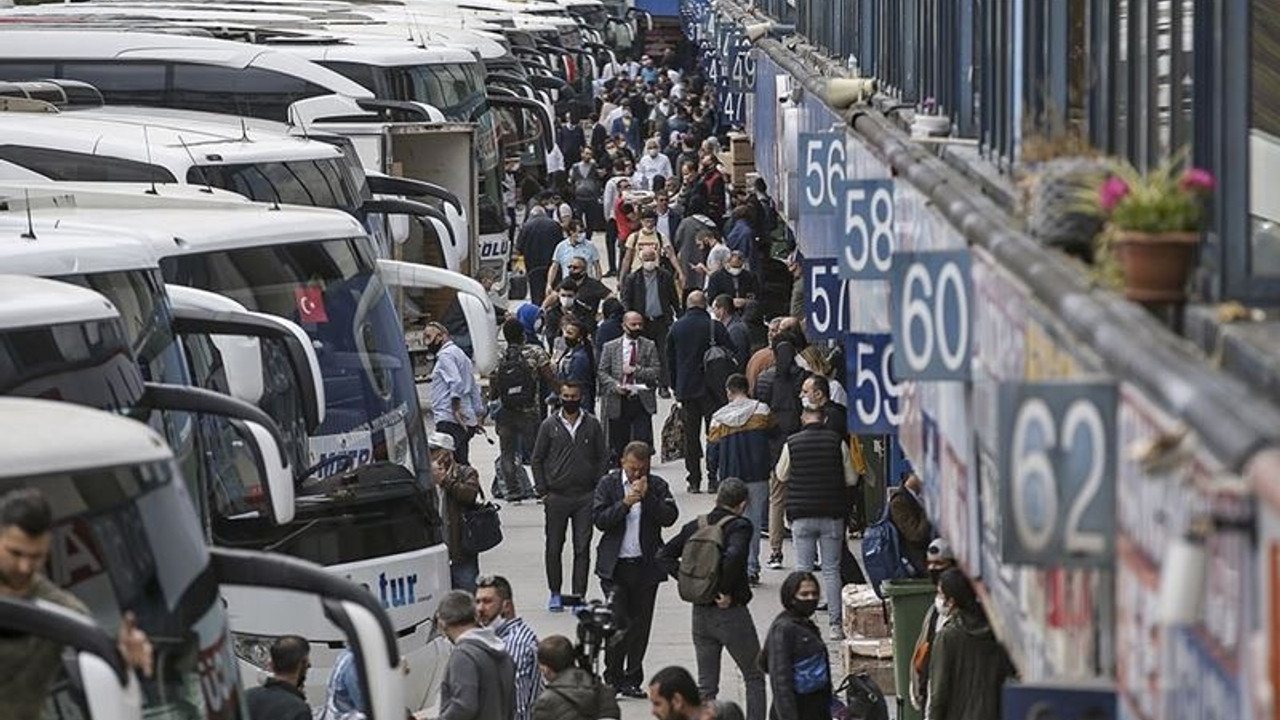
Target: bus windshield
(458, 91)
(89, 363)
(371, 447)
(126, 539)
(323, 182)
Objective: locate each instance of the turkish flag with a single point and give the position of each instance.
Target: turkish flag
(310, 302)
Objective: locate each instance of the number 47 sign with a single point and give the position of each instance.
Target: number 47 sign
(1057, 472)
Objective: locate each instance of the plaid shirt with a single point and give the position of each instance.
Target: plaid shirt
(522, 645)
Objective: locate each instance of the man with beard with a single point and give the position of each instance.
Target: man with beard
(673, 695)
(29, 664)
(281, 695)
(496, 610)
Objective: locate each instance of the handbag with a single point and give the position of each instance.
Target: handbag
(481, 527)
(673, 436)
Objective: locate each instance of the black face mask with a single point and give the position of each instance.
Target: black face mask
(633, 334)
(570, 406)
(935, 576)
(805, 608)
(577, 275)
(434, 347)
(571, 342)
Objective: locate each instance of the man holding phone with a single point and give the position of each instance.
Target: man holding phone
(630, 509)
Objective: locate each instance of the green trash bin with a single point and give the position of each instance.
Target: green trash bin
(909, 600)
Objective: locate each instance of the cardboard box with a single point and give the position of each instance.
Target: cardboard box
(740, 150)
(880, 669)
(865, 614)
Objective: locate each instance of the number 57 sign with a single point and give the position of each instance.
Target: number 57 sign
(1057, 473)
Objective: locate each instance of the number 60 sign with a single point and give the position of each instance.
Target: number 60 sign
(1057, 473)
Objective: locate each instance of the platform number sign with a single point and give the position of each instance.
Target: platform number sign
(1058, 473)
(742, 67)
(869, 238)
(931, 314)
(874, 388)
(828, 310)
(822, 170)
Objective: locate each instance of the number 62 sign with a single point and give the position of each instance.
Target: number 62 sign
(1057, 472)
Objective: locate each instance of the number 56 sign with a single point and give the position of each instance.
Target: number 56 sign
(1057, 473)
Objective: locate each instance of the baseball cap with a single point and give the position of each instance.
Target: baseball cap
(939, 549)
(444, 441)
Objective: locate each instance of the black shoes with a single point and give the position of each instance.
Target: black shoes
(631, 691)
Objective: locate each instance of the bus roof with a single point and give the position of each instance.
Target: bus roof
(40, 437)
(37, 302)
(61, 250)
(70, 45)
(179, 219)
(378, 52)
(156, 140)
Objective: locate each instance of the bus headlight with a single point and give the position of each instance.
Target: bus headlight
(254, 649)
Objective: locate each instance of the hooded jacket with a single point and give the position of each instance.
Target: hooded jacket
(576, 695)
(738, 441)
(479, 679)
(967, 668)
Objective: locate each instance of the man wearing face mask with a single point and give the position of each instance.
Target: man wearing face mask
(629, 373)
(939, 560)
(968, 666)
(496, 610)
(652, 293)
(566, 304)
(691, 248)
(651, 165)
(456, 402)
(576, 361)
(569, 456)
(734, 280)
(573, 247)
(281, 695)
(459, 487)
(648, 238)
(815, 394)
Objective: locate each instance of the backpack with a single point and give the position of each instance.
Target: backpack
(698, 579)
(863, 698)
(516, 386)
(718, 363)
(882, 553)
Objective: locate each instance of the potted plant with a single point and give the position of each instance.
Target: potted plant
(1153, 226)
(1054, 167)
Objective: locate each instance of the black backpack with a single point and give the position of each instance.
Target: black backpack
(516, 385)
(863, 698)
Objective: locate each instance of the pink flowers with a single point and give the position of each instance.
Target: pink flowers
(1196, 180)
(1112, 192)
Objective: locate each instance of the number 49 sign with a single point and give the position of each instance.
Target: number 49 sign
(1057, 472)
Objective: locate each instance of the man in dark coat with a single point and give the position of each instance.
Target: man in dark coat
(281, 695)
(687, 345)
(571, 692)
(734, 280)
(630, 509)
(652, 293)
(726, 314)
(537, 243)
(906, 511)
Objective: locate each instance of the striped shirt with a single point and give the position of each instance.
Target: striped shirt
(522, 646)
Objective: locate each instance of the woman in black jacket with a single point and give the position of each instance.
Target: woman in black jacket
(795, 657)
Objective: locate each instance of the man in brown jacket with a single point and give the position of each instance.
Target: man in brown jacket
(459, 488)
(906, 510)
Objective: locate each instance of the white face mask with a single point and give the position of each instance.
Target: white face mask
(940, 604)
(735, 271)
(653, 152)
(807, 402)
(650, 265)
(566, 302)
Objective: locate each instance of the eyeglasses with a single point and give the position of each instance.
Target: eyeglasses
(486, 581)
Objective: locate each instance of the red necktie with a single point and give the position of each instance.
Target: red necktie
(631, 362)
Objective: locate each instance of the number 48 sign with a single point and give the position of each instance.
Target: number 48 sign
(1057, 472)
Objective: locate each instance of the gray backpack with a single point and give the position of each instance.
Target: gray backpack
(698, 579)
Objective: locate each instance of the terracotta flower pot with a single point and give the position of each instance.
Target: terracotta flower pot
(1156, 265)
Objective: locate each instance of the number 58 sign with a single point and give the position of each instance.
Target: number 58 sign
(1057, 473)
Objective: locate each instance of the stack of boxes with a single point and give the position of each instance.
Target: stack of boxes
(740, 161)
(868, 645)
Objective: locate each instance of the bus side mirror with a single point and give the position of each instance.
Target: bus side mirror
(276, 474)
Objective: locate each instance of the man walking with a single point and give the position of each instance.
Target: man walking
(537, 243)
(815, 467)
(479, 678)
(456, 403)
(569, 456)
(496, 609)
(516, 385)
(459, 488)
(687, 347)
(630, 509)
(738, 446)
(281, 695)
(724, 621)
(628, 375)
(652, 293)
(726, 314)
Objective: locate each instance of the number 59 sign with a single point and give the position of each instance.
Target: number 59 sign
(1057, 472)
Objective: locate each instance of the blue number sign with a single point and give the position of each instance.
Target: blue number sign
(826, 298)
(873, 388)
(742, 67)
(1057, 468)
(869, 236)
(931, 316)
(822, 161)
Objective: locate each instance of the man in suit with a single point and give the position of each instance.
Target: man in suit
(630, 509)
(734, 280)
(668, 217)
(629, 361)
(687, 345)
(652, 293)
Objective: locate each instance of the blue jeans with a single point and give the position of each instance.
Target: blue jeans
(810, 533)
(463, 573)
(758, 513)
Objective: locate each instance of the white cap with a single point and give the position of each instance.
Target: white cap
(439, 440)
(565, 211)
